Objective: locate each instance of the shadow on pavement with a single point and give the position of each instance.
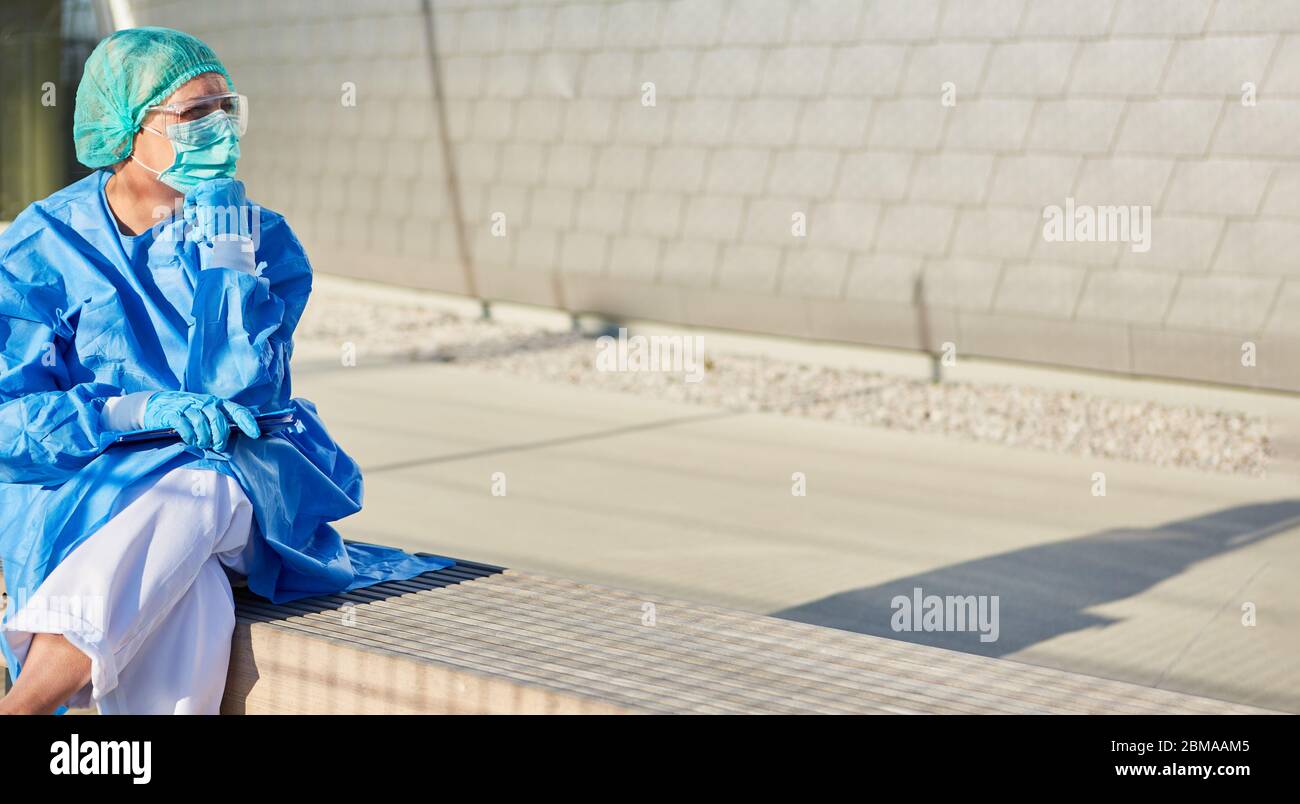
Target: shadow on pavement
(1045, 590)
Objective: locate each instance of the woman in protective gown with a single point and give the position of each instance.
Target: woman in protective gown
(114, 316)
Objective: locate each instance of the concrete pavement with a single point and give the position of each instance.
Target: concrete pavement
(1145, 584)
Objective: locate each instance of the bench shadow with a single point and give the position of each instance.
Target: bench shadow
(245, 672)
(1046, 590)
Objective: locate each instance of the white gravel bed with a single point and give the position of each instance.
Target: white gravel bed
(1061, 421)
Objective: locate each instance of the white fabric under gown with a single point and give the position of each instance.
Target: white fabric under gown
(148, 598)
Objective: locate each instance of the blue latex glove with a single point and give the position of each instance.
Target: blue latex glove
(200, 419)
(208, 203)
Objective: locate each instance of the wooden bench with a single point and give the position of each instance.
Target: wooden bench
(474, 638)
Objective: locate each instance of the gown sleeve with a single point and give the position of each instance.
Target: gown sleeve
(242, 338)
(49, 425)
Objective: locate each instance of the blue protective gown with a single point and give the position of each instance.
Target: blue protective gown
(82, 320)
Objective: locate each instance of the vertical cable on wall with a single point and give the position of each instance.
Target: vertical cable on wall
(449, 164)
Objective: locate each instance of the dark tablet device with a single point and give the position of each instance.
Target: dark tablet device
(266, 422)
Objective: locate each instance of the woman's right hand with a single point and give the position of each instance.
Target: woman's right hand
(199, 419)
(215, 205)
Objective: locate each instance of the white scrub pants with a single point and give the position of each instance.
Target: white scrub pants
(148, 599)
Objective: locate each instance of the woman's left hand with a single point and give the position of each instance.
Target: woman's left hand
(199, 419)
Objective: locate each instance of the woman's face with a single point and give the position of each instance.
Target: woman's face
(156, 151)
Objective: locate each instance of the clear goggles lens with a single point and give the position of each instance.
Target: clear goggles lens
(173, 117)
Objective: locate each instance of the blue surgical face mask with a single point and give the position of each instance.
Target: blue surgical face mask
(204, 149)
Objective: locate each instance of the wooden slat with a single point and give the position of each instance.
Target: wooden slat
(474, 638)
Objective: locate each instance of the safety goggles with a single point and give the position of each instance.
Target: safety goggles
(173, 116)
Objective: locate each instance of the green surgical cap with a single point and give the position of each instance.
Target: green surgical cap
(125, 74)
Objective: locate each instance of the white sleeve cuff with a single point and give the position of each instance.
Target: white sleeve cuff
(124, 413)
(228, 251)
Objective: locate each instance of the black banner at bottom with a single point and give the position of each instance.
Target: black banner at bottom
(401, 754)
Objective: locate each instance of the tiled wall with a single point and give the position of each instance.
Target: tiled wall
(833, 110)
